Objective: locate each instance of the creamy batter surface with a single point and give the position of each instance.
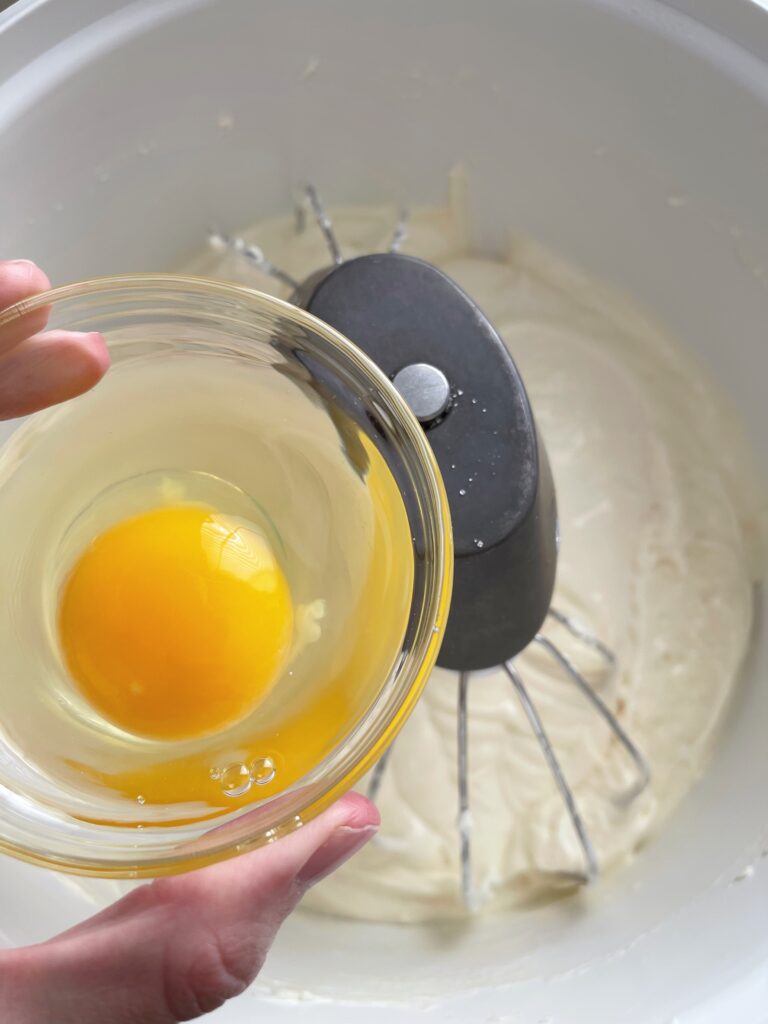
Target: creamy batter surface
(661, 542)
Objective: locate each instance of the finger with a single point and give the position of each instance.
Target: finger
(21, 279)
(49, 368)
(180, 947)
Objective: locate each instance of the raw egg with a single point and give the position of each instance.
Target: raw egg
(177, 622)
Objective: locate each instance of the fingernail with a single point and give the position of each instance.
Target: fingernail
(20, 263)
(100, 350)
(343, 844)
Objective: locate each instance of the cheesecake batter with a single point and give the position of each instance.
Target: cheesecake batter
(661, 525)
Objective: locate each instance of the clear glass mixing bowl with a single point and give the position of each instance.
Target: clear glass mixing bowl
(238, 323)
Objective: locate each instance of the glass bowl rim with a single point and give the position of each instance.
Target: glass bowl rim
(439, 583)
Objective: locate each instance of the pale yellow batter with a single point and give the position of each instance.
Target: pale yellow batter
(661, 540)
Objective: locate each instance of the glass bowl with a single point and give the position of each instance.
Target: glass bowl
(144, 318)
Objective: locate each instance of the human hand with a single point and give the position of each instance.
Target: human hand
(176, 948)
(37, 367)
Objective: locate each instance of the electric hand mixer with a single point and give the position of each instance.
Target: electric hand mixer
(452, 368)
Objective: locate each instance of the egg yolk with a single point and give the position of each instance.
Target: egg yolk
(176, 622)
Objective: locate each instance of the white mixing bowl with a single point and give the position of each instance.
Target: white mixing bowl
(630, 136)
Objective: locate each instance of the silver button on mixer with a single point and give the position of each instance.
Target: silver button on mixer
(425, 389)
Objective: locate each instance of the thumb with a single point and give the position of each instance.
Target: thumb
(179, 947)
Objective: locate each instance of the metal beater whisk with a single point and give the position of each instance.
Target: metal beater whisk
(452, 368)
